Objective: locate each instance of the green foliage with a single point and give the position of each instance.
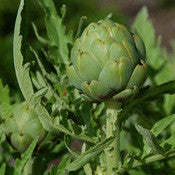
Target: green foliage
(70, 119)
(3, 169)
(59, 40)
(150, 139)
(160, 68)
(61, 169)
(89, 154)
(162, 124)
(20, 163)
(5, 106)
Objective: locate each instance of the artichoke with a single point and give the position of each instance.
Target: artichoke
(23, 127)
(108, 61)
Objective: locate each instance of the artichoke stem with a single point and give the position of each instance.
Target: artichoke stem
(113, 151)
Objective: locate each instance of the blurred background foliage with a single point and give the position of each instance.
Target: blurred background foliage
(162, 12)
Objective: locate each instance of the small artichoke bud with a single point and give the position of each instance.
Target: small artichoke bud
(106, 60)
(23, 127)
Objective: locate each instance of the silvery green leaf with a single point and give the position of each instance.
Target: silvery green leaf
(150, 139)
(89, 154)
(41, 93)
(56, 30)
(162, 124)
(20, 163)
(24, 79)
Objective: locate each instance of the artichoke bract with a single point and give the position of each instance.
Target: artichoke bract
(23, 127)
(108, 61)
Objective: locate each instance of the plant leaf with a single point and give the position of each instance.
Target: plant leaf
(144, 28)
(158, 91)
(61, 169)
(22, 74)
(150, 139)
(20, 163)
(3, 169)
(162, 124)
(56, 30)
(25, 82)
(161, 68)
(5, 107)
(89, 154)
(62, 166)
(150, 95)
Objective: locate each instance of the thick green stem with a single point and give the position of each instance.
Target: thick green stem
(113, 152)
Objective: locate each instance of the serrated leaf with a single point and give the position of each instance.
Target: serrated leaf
(89, 154)
(41, 93)
(81, 135)
(144, 28)
(162, 124)
(25, 82)
(161, 68)
(150, 139)
(56, 31)
(20, 163)
(21, 73)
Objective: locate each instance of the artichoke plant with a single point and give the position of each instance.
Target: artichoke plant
(23, 127)
(108, 62)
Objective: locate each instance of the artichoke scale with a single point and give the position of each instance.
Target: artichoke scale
(96, 90)
(138, 76)
(73, 77)
(88, 67)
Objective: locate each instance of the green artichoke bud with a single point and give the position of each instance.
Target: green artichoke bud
(23, 127)
(108, 62)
